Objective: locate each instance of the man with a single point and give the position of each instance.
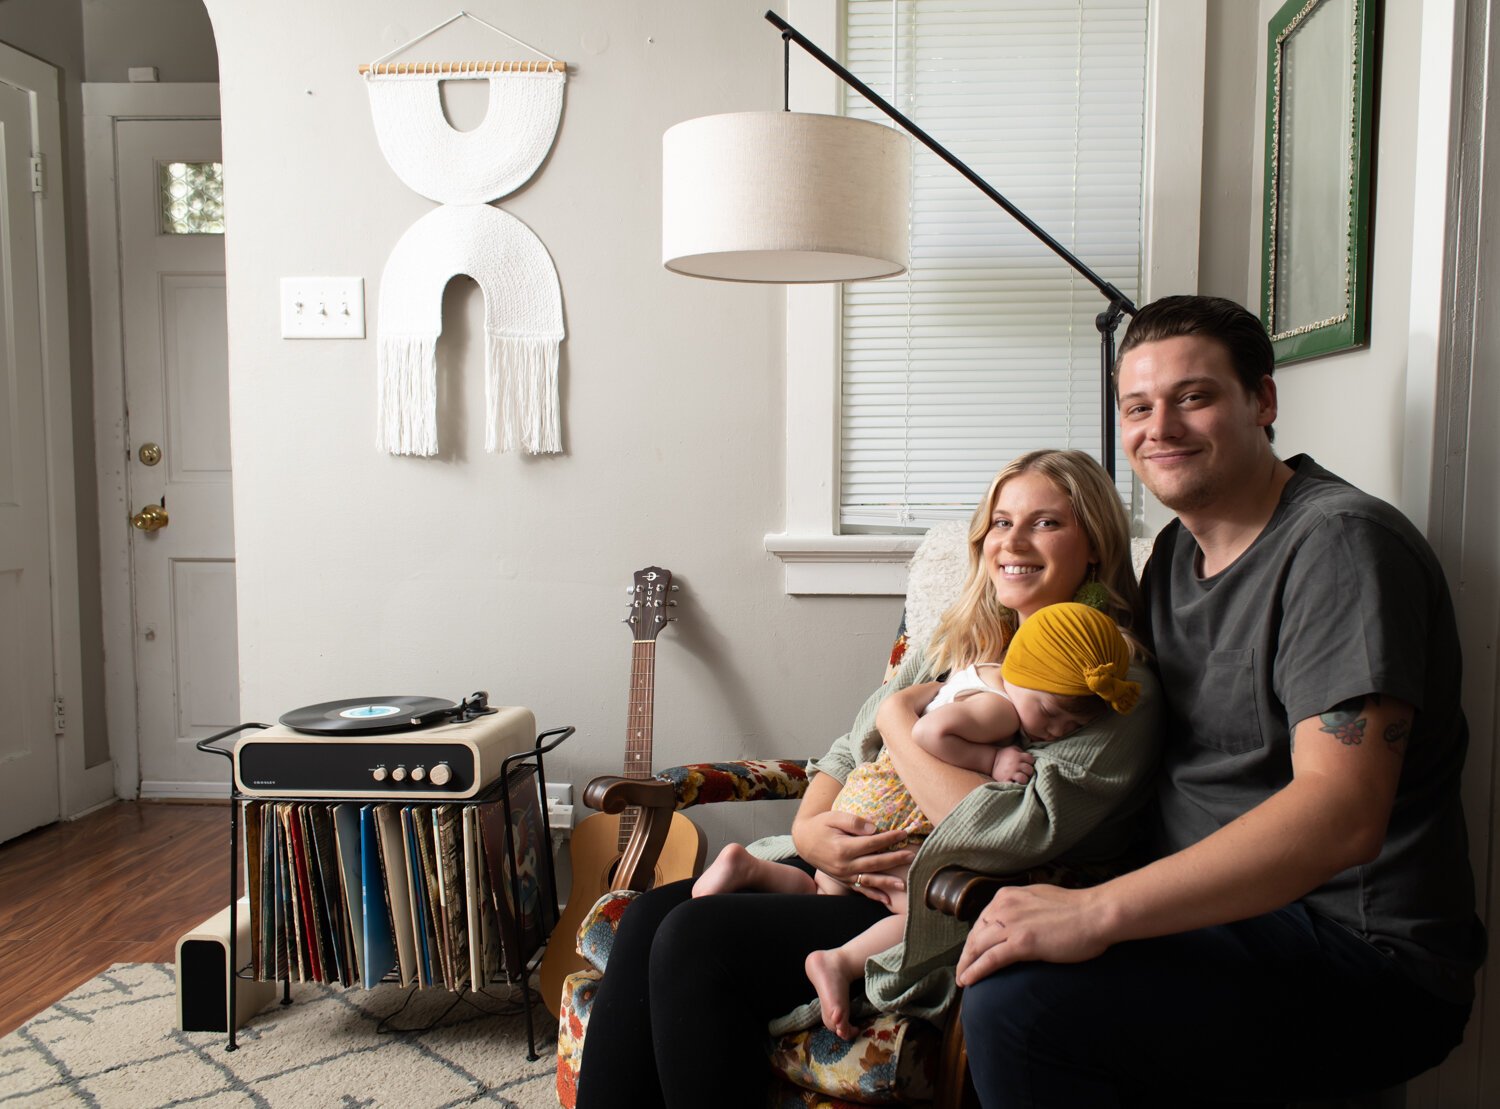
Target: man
(1308, 930)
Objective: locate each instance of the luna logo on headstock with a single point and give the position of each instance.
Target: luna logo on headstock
(649, 600)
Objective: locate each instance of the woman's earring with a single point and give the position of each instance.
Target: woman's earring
(1093, 592)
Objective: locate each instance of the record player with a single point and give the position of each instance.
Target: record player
(383, 748)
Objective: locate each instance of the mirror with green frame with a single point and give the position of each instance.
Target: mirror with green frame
(1320, 87)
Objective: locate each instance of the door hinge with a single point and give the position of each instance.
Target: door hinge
(37, 179)
(59, 717)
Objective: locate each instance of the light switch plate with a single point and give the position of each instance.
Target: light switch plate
(322, 307)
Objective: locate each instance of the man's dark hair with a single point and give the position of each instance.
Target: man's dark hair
(1238, 329)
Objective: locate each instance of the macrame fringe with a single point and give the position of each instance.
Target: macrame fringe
(406, 395)
(520, 392)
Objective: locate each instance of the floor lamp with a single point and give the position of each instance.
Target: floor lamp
(792, 197)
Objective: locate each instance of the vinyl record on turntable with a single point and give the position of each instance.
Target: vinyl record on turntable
(363, 715)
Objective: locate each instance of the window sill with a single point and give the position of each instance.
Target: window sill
(849, 565)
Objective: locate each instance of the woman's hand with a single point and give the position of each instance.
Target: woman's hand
(1032, 924)
(889, 888)
(846, 846)
(840, 843)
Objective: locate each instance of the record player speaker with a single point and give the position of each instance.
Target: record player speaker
(204, 964)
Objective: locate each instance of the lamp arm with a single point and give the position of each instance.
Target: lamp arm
(1114, 295)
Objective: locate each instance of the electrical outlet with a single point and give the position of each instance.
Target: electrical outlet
(560, 792)
(322, 307)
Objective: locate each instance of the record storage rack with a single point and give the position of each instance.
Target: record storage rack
(512, 768)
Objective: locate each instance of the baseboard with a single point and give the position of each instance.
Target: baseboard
(208, 791)
(87, 790)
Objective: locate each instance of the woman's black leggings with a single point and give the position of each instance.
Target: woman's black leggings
(680, 1018)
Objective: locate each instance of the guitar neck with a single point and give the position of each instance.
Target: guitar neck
(638, 727)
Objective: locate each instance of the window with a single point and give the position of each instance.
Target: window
(905, 396)
(191, 196)
(986, 347)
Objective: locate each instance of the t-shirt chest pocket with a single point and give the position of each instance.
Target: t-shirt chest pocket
(1225, 712)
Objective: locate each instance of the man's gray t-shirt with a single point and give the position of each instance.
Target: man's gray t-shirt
(1337, 598)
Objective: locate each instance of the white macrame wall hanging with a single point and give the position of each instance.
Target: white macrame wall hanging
(463, 171)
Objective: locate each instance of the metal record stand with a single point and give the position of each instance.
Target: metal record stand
(498, 790)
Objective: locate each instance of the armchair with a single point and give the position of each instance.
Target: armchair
(895, 1059)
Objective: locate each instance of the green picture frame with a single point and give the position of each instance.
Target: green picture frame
(1319, 169)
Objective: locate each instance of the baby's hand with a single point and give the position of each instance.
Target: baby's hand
(1013, 765)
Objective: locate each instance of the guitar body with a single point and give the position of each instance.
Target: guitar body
(595, 853)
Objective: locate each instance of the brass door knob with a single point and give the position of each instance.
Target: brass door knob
(151, 518)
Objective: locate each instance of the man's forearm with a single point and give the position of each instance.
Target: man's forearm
(1279, 851)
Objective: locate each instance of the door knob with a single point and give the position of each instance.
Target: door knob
(151, 518)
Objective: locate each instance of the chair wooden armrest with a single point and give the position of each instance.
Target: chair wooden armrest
(961, 893)
(612, 794)
(681, 787)
(654, 802)
(958, 892)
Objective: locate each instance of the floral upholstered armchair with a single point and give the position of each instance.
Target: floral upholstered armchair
(894, 1059)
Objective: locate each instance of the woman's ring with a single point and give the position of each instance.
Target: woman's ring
(858, 878)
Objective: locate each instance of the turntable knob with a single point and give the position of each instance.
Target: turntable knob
(378, 773)
(417, 773)
(441, 774)
(399, 774)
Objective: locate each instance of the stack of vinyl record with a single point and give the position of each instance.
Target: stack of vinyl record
(355, 892)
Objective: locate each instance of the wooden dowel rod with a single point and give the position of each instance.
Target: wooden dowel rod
(398, 68)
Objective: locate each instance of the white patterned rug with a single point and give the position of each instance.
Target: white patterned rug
(113, 1042)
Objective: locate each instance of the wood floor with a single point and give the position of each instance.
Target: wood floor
(117, 886)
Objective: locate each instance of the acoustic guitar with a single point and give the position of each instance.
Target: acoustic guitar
(598, 843)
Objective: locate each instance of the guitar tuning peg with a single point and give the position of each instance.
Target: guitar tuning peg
(671, 604)
(629, 589)
(675, 588)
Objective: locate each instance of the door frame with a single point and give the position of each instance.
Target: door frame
(80, 787)
(104, 105)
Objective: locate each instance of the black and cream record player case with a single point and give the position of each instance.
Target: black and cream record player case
(383, 748)
(386, 839)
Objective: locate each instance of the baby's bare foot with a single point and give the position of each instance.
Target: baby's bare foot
(829, 979)
(729, 872)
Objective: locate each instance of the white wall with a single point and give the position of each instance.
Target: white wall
(1347, 410)
(360, 572)
(174, 36)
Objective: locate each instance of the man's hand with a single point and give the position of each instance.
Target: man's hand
(1032, 923)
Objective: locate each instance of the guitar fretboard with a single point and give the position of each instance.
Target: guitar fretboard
(638, 727)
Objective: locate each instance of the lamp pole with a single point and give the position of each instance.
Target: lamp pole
(1106, 321)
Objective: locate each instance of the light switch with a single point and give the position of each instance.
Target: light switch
(322, 307)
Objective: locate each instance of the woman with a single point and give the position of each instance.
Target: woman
(693, 983)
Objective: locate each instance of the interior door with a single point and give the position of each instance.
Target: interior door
(28, 743)
(177, 404)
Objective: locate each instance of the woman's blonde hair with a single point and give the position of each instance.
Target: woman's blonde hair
(978, 627)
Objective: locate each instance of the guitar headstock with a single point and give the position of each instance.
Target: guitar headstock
(650, 597)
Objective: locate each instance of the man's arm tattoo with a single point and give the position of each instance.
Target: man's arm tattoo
(1346, 721)
(1396, 736)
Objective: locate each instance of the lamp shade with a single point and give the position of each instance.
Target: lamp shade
(785, 197)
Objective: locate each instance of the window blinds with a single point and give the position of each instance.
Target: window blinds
(987, 347)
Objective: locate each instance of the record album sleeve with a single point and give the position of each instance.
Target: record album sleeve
(397, 889)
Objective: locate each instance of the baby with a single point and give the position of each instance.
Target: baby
(1065, 666)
